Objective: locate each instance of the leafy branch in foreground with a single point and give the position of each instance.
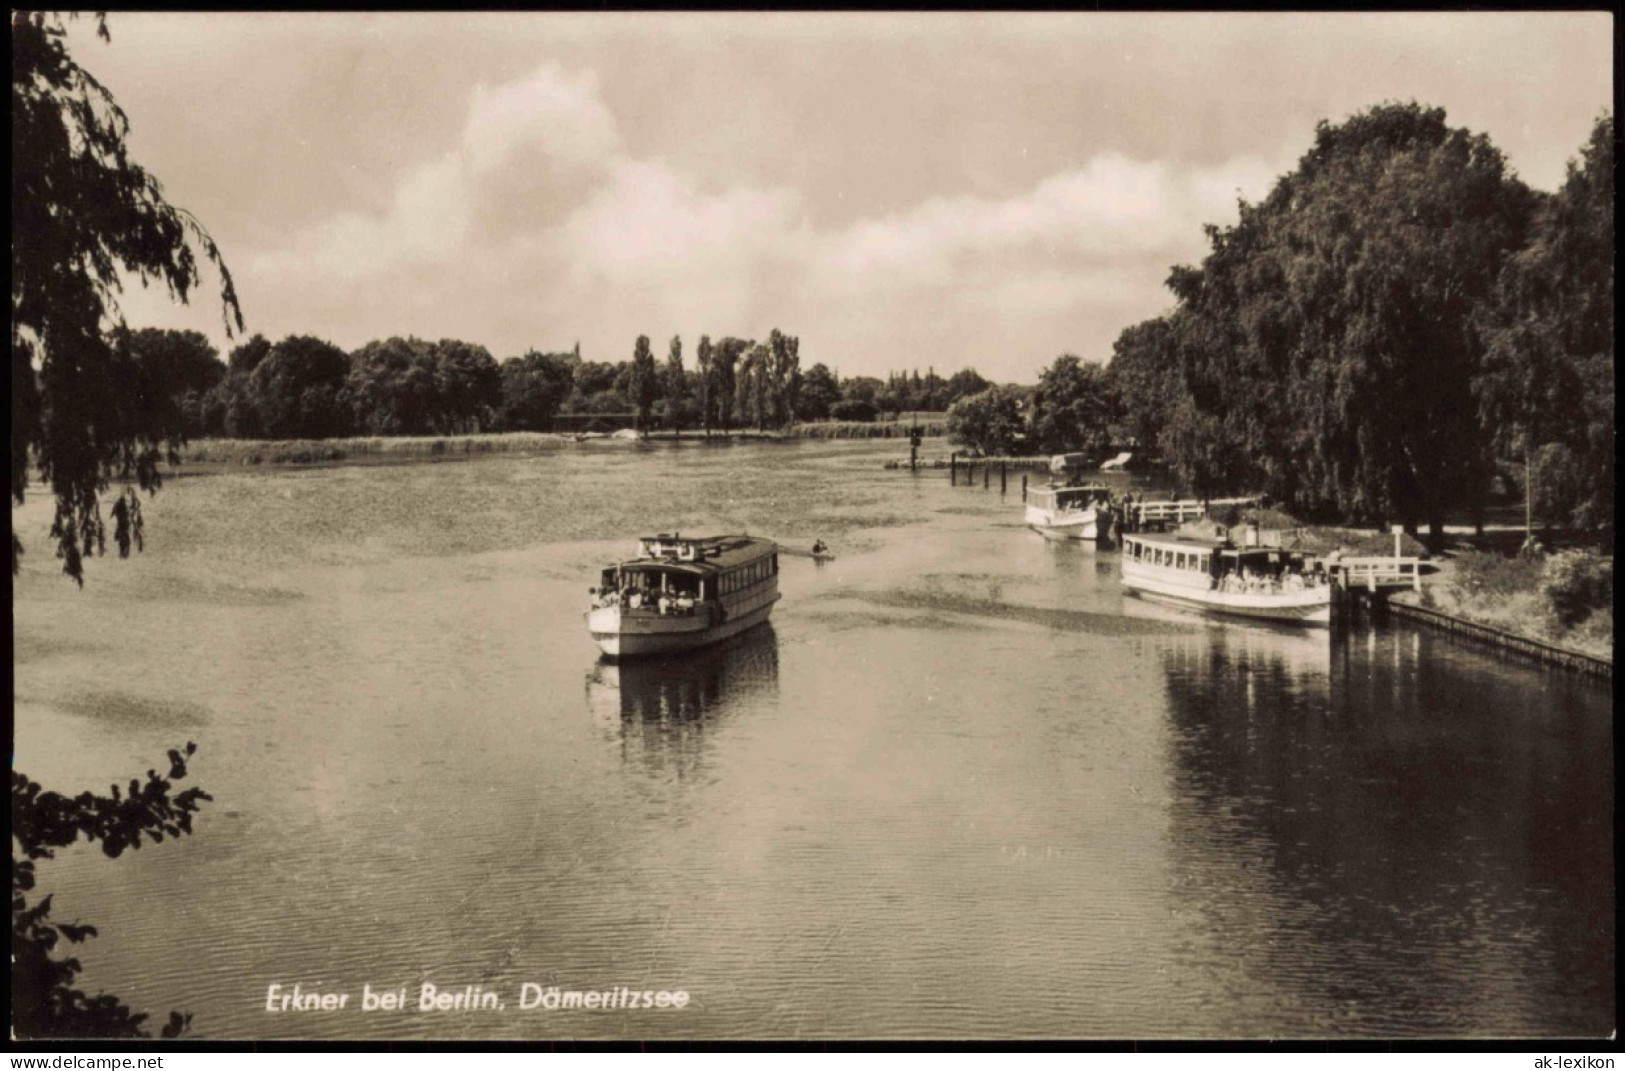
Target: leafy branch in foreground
(44, 1002)
(82, 213)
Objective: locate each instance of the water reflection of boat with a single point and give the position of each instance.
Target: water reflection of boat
(1203, 574)
(1295, 651)
(678, 594)
(684, 688)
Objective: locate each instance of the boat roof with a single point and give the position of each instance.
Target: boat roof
(702, 556)
(1171, 539)
(1183, 542)
(1056, 488)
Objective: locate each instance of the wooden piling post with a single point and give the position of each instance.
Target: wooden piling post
(1003, 475)
(985, 475)
(953, 468)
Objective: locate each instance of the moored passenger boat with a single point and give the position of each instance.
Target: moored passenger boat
(683, 593)
(1070, 512)
(1203, 574)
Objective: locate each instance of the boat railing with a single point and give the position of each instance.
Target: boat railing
(1180, 511)
(674, 608)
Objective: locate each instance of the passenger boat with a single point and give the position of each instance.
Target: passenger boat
(680, 593)
(1262, 583)
(1068, 512)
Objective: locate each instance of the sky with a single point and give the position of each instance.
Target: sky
(900, 191)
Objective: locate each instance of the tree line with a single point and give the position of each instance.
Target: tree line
(305, 388)
(1397, 327)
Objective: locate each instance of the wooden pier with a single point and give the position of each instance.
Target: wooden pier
(1175, 513)
(1374, 574)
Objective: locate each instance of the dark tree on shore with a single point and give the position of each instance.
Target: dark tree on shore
(962, 384)
(179, 370)
(706, 387)
(819, 391)
(643, 386)
(676, 386)
(858, 410)
(407, 386)
(297, 390)
(725, 363)
(866, 388)
(469, 388)
(1145, 376)
(1546, 388)
(988, 423)
(82, 211)
(1328, 337)
(1073, 408)
(534, 388)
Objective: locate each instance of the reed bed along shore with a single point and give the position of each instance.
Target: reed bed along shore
(378, 448)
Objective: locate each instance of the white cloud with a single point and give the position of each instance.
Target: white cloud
(681, 254)
(603, 241)
(1113, 207)
(549, 113)
(561, 114)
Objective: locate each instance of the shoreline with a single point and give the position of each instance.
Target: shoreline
(1511, 622)
(1404, 606)
(217, 455)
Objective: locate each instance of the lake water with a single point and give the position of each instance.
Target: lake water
(959, 787)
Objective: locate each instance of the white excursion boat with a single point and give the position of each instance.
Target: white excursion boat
(683, 593)
(1070, 512)
(1203, 574)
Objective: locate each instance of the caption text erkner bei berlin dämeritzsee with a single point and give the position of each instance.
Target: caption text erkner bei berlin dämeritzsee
(429, 997)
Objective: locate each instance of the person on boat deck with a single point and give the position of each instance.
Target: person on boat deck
(819, 547)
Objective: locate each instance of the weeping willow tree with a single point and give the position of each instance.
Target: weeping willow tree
(1546, 389)
(1328, 342)
(82, 213)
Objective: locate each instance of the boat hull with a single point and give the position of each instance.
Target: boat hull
(1311, 607)
(619, 637)
(1064, 524)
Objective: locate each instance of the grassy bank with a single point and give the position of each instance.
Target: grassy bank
(862, 429)
(1564, 599)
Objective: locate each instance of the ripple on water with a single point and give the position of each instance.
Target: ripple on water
(1065, 620)
(123, 709)
(851, 619)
